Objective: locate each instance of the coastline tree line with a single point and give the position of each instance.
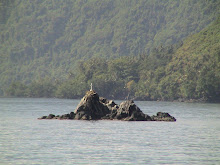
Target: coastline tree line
(57, 48)
(188, 70)
(43, 41)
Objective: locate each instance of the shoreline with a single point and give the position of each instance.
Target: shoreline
(180, 100)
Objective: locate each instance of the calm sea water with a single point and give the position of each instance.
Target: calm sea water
(193, 139)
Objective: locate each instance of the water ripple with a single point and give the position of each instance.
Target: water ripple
(193, 139)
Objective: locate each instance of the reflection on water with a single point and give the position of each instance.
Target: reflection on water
(193, 139)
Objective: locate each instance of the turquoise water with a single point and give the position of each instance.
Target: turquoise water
(193, 139)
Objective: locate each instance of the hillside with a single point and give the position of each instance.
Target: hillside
(195, 67)
(46, 39)
(188, 71)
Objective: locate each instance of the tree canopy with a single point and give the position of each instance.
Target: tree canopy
(132, 47)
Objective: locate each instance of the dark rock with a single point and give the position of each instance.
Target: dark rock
(57, 117)
(67, 116)
(43, 117)
(62, 117)
(109, 103)
(91, 108)
(103, 100)
(130, 112)
(50, 116)
(72, 115)
(163, 116)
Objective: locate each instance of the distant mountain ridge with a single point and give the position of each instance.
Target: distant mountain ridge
(40, 39)
(188, 71)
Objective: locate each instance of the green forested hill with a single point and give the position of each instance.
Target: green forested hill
(193, 71)
(184, 71)
(44, 40)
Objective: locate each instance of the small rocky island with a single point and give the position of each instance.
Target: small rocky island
(93, 107)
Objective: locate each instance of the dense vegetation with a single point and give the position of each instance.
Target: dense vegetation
(56, 48)
(188, 70)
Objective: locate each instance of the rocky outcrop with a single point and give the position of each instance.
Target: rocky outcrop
(68, 116)
(127, 111)
(163, 116)
(93, 107)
